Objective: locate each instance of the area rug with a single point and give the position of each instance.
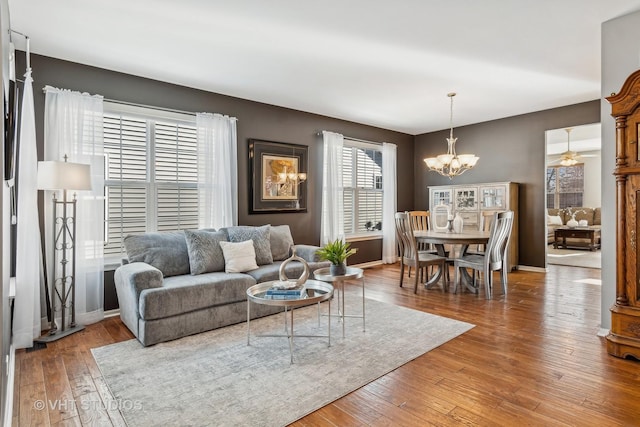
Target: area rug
(215, 378)
(575, 258)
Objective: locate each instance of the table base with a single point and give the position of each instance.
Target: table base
(289, 335)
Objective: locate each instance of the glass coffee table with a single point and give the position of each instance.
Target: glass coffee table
(317, 292)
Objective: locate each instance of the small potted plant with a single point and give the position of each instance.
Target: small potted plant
(336, 252)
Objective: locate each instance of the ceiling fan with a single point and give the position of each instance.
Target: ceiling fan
(570, 158)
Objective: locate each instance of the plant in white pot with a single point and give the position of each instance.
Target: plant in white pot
(337, 253)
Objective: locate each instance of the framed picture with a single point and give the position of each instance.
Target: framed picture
(278, 177)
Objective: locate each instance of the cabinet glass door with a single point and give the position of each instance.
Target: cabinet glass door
(466, 199)
(441, 197)
(493, 198)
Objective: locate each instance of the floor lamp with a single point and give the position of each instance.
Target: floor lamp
(64, 176)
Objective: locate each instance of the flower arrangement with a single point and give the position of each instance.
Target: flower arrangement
(573, 222)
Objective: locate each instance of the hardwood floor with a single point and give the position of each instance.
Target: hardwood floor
(533, 358)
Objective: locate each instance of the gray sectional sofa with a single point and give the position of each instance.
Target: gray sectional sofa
(174, 284)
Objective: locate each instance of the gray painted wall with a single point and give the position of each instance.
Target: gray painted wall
(255, 120)
(510, 149)
(620, 46)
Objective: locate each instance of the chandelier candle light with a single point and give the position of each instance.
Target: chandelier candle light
(451, 164)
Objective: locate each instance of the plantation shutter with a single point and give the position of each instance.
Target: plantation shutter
(151, 177)
(362, 178)
(176, 176)
(125, 147)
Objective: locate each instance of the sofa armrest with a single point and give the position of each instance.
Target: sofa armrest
(138, 276)
(307, 252)
(131, 279)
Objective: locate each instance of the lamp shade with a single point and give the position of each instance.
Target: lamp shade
(54, 175)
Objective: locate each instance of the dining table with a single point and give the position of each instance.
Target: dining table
(464, 239)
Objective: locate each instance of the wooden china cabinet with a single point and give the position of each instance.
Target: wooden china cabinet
(624, 338)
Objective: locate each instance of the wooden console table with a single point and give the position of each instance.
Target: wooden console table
(593, 234)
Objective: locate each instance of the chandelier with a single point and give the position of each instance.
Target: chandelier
(451, 164)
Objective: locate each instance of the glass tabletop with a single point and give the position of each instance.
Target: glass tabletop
(316, 291)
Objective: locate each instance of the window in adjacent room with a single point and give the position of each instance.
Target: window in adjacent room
(362, 181)
(565, 186)
(150, 173)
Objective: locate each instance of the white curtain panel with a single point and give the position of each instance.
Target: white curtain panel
(332, 218)
(73, 126)
(217, 170)
(29, 272)
(389, 203)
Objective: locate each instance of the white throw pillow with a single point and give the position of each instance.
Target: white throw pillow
(554, 220)
(239, 256)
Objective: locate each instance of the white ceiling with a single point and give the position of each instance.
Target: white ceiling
(582, 138)
(383, 63)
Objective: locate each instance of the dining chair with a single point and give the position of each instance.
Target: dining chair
(494, 258)
(486, 219)
(412, 257)
(420, 221)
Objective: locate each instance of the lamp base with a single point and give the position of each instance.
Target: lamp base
(59, 334)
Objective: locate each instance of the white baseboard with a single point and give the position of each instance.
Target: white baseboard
(11, 371)
(367, 264)
(530, 268)
(112, 313)
(603, 332)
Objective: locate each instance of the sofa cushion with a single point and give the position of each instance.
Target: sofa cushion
(239, 256)
(551, 220)
(281, 242)
(186, 293)
(205, 253)
(166, 251)
(597, 216)
(260, 237)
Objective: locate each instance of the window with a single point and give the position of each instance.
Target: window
(362, 181)
(565, 186)
(150, 173)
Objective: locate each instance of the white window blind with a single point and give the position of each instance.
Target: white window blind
(151, 174)
(362, 180)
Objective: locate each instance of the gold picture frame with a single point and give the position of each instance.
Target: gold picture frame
(278, 177)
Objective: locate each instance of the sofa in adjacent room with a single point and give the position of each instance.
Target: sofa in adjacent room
(175, 284)
(559, 217)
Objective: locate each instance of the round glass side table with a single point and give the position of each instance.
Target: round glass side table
(353, 273)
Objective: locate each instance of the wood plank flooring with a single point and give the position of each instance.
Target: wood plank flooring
(533, 358)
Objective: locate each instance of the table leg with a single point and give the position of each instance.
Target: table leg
(329, 323)
(343, 322)
(248, 320)
(363, 322)
(291, 337)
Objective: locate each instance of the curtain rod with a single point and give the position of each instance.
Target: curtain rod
(28, 51)
(356, 139)
(133, 104)
(152, 107)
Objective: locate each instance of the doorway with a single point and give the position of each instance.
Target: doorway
(573, 194)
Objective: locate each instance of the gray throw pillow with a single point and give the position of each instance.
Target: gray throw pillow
(260, 237)
(281, 241)
(205, 254)
(166, 251)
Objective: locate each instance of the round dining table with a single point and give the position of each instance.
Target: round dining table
(464, 239)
